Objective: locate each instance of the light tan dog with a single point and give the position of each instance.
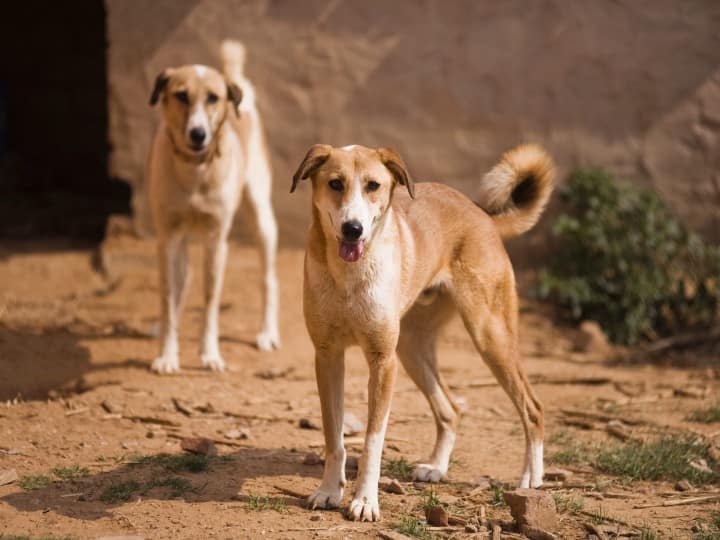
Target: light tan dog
(207, 149)
(385, 269)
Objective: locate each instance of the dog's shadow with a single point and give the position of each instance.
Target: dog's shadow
(89, 495)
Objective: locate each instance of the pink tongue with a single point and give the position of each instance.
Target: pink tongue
(350, 251)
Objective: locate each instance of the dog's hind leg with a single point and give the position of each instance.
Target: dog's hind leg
(173, 279)
(489, 311)
(215, 258)
(417, 352)
(258, 188)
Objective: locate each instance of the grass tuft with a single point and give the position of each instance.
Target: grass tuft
(667, 458)
(498, 496)
(412, 526)
(33, 482)
(259, 503)
(430, 500)
(706, 416)
(174, 462)
(70, 473)
(120, 492)
(568, 504)
(573, 453)
(646, 533)
(401, 468)
(178, 486)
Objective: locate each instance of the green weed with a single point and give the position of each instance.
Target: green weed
(412, 526)
(627, 263)
(399, 468)
(706, 416)
(33, 482)
(120, 491)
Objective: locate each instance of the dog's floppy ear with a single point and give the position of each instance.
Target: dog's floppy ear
(395, 164)
(235, 95)
(316, 156)
(161, 82)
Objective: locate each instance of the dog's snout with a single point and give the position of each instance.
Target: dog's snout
(352, 230)
(197, 135)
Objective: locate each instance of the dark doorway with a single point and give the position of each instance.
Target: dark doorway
(53, 122)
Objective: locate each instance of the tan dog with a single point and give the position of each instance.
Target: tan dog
(208, 147)
(386, 269)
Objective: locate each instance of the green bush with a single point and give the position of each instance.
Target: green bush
(625, 262)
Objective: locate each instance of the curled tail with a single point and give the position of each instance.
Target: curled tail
(233, 60)
(515, 191)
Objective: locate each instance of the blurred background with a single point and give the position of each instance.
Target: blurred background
(632, 86)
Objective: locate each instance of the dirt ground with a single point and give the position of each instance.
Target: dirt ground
(75, 345)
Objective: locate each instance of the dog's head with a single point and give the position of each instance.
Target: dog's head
(195, 102)
(352, 191)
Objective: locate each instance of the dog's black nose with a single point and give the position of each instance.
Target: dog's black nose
(352, 230)
(197, 135)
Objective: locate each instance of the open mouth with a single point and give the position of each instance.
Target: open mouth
(350, 251)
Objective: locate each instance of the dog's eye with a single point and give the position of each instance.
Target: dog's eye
(182, 97)
(211, 98)
(372, 185)
(336, 185)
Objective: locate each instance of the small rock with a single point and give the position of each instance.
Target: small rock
(150, 434)
(352, 425)
(391, 535)
(311, 458)
(110, 407)
(446, 499)
(619, 429)
(8, 476)
(243, 433)
(532, 508)
(207, 408)
(683, 485)
(591, 338)
(393, 486)
(352, 463)
(436, 516)
(274, 373)
(316, 517)
(557, 475)
(199, 445)
(306, 423)
(699, 464)
(481, 484)
(698, 392)
(537, 534)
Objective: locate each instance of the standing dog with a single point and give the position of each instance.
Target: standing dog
(386, 269)
(209, 146)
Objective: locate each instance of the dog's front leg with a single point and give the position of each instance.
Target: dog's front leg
(172, 263)
(383, 369)
(215, 258)
(330, 374)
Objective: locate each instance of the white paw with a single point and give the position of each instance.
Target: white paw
(165, 364)
(429, 473)
(325, 498)
(364, 509)
(213, 362)
(267, 341)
